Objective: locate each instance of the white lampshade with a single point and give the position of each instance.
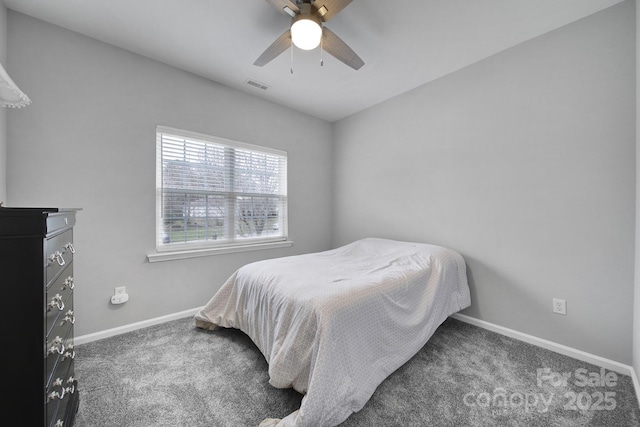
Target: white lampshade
(10, 94)
(306, 32)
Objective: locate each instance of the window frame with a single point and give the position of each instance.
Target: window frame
(211, 247)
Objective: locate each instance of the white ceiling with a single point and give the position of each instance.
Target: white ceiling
(404, 43)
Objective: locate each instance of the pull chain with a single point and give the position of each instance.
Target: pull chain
(321, 53)
(291, 58)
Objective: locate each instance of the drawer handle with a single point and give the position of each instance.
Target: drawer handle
(59, 423)
(72, 388)
(68, 283)
(57, 395)
(68, 317)
(55, 349)
(70, 247)
(57, 341)
(57, 256)
(56, 301)
(71, 354)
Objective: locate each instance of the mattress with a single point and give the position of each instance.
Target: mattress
(334, 324)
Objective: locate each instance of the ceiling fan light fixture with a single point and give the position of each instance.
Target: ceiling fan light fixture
(306, 31)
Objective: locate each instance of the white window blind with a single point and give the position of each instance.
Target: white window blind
(214, 192)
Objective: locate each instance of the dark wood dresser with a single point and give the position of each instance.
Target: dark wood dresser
(36, 270)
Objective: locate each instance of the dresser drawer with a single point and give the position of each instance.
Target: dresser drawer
(59, 253)
(60, 351)
(59, 301)
(59, 394)
(66, 408)
(60, 220)
(63, 283)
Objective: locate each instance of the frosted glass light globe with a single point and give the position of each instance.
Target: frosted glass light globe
(306, 33)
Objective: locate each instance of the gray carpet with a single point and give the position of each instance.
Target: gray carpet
(174, 374)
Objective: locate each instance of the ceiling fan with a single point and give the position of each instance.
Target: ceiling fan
(307, 31)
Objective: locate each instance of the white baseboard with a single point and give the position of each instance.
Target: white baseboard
(612, 365)
(134, 326)
(618, 367)
(636, 385)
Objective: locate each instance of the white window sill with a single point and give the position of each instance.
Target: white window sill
(194, 253)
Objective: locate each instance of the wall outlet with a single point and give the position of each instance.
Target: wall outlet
(120, 295)
(559, 306)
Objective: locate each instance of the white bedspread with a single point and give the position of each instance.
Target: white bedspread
(333, 325)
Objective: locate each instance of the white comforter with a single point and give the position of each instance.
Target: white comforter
(333, 325)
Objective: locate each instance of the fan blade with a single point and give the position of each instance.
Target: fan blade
(281, 44)
(327, 9)
(281, 4)
(339, 49)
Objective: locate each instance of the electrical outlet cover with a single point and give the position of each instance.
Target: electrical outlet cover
(119, 298)
(559, 306)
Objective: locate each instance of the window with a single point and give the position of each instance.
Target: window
(212, 192)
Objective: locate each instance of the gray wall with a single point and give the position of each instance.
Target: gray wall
(636, 310)
(88, 141)
(523, 162)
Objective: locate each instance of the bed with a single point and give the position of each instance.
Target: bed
(334, 324)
